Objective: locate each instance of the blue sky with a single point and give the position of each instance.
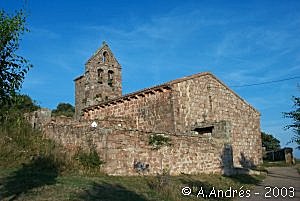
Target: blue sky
(158, 41)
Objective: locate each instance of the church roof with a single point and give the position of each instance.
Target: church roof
(104, 47)
(79, 77)
(164, 86)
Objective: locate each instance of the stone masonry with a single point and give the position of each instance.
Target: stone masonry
(211, 129)
(100, 82)
(122, 147)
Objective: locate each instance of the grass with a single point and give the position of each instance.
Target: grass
(30, 182)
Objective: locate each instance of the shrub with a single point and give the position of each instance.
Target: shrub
(89, 159)
(20, 144)
(159, 140)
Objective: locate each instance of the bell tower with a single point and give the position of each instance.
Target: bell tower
(100, 82)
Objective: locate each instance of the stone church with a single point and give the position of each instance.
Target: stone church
(211, 129)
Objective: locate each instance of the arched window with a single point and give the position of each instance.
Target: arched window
(87, 76)
(100, 75)
(98, 97)
(105, 58)
(110, 78)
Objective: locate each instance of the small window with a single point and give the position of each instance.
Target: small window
(106, 98)
(110, 78)
(87, 93)
(98, 97)
(105, 57)
(87, 76)
(204, 130)
(100, 76)
(210, 103)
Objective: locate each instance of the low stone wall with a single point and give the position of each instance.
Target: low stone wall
(285, 154)
(38, 118)
(125, 151)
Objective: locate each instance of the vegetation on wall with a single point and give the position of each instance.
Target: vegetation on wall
(159, 140)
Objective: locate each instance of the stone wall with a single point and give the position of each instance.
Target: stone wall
(101, 81)
(122, 149)
(151, 111)
(200, 99)
(285, 154)
(102, 86)
(38, 118)
(79, 96)
(192, 104)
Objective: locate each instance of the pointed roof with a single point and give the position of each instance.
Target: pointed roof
(103, 48)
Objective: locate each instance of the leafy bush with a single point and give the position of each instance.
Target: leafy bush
(89, 159)
(159, 140)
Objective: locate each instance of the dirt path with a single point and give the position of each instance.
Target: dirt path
(282, 183)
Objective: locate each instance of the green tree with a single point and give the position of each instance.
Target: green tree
(14, 110)
(12, 66)
(24, 103)
(65, 109)
(295, 125)
(270, 142)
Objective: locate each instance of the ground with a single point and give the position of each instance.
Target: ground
(30, 182)
(27, 184)
(281, 183)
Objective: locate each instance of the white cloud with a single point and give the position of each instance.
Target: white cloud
(43, 33)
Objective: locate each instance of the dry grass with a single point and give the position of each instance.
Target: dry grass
(33, 183)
